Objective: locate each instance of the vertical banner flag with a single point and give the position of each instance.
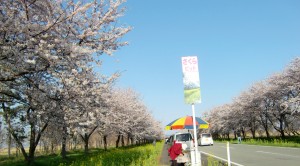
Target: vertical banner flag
(191, 80)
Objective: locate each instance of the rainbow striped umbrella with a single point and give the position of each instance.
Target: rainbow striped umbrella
(187, 123)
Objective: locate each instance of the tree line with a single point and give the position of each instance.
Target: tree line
(269, 107)
(49, 89)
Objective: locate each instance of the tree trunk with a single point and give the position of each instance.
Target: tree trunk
(34, 140)
(128, 139)
(86, 138)
(105, 142)
(86, 143)
(9, 143)
(252, 132)
(20, 145)
(6, 116)
(32, 146)
(118, 140)
(17, 150)
(252, 129)
(264, 122)
(63, 152)
(34, 137)
(281, 129)
(267, 131)
(52, 147)
(244, 133)
(122, 141)
(281, 124)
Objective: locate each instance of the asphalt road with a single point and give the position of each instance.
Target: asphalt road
(253, 155)
(246, 155)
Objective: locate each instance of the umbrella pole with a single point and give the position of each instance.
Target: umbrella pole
(196, 162)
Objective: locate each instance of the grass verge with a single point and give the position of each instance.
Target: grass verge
(146, 155)
(292, 141)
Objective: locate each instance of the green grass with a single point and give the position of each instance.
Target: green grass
(146, 155)
(292, 141)
(211, 161)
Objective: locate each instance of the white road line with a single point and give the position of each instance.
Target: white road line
(278, 154)
(265, 146)
(221, 158)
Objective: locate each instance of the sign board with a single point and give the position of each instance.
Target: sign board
(191, 80)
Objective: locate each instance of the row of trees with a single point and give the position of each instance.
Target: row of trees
(48, 86)
(268, 107)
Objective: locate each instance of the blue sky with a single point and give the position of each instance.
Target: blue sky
(237, 42)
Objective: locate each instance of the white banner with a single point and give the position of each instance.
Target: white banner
(191, 80)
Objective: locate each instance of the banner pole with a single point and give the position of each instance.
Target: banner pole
(197, 162)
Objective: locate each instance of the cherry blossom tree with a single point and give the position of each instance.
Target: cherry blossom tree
(130, 117)
(219, 121)
(292, 74)
(43, 41)
(249, 105)
(284, 97)
(279, 95)
(271, 102)
(91, 105)
(262, 105)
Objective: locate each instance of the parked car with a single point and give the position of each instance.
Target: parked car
(185, 138)
(205, 139)
(186, 141)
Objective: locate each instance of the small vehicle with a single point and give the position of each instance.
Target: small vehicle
(166, 140)
(186, 141)
(205, 139)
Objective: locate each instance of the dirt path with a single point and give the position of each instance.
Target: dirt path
(164, 158)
